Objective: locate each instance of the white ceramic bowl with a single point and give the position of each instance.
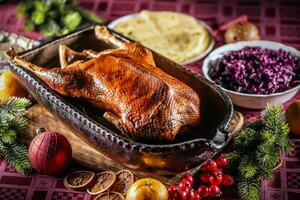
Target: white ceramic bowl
(253, 101)
(114, 23)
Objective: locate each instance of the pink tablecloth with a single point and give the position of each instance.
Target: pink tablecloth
(277, 20)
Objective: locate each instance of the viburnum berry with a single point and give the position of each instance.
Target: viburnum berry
(209, 165)
(190, 179)
(216, 179)
(191, 195)
(197, 196)
(214, 191)
(217, 172)
(184, 185)
(222, 161)
(184, 195)
(173, 192)
(204, 178)
(227, 180)
(203, 191)
(173, 188)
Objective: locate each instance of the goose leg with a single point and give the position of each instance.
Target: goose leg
(102, 33)
(68, 56)
(24, 63)
(112, 118)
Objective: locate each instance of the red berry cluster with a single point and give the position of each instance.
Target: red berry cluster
(211, 178)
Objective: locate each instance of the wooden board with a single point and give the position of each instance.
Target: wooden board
(85, 155)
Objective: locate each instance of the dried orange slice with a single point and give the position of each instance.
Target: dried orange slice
(79, 180)
(103, 182)
(124, 180)
(108, 195)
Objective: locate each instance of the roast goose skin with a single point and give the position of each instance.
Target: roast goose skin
(141, 100)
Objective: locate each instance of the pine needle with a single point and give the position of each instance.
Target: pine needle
(249, 189)
(246, 137)
(9, 136)
(19, 124)
(257, 149)
(15, 105)
(267, 155)
(247, 168)
(12, 125)
(16, 155)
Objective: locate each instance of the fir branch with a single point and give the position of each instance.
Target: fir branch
(9, 136)
(257, 149)
(233, 156)
(16, 154)
(256, 125)
(274, 119)
(247, 168)
(268, 137)
(267, 155)
(19, 124)
(266, 173)
(249, 189)
(246, 137)
(12, 124)
(15, 105)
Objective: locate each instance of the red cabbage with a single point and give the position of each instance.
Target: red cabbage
(255, 70)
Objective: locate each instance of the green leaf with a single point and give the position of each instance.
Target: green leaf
(21, 10)
(38, 17)
(50, 28)
(72, 20)
(40, 6)
(90, 16)
(29, 25)
(54, 17)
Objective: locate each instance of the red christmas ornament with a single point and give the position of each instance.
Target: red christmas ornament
(49, 152)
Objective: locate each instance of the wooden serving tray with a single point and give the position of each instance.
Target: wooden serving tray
(88, 157)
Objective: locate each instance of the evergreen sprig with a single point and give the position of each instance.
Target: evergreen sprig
(12, 125)
(16, 155)
(14, 105)
(249, 189)
(257, 149)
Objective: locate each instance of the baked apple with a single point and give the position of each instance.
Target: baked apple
(147, 188)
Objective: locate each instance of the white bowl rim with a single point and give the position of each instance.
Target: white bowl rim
(240, 45)
(210, 47)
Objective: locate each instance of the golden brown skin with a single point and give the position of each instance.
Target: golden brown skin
(139, 98)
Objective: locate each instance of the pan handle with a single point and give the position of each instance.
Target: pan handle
(220, 139)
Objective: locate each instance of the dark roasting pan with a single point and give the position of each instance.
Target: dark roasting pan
(185, 153)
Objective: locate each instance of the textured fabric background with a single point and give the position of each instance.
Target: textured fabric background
(277, 20)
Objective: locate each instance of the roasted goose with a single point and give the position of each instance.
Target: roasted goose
(140, 99)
